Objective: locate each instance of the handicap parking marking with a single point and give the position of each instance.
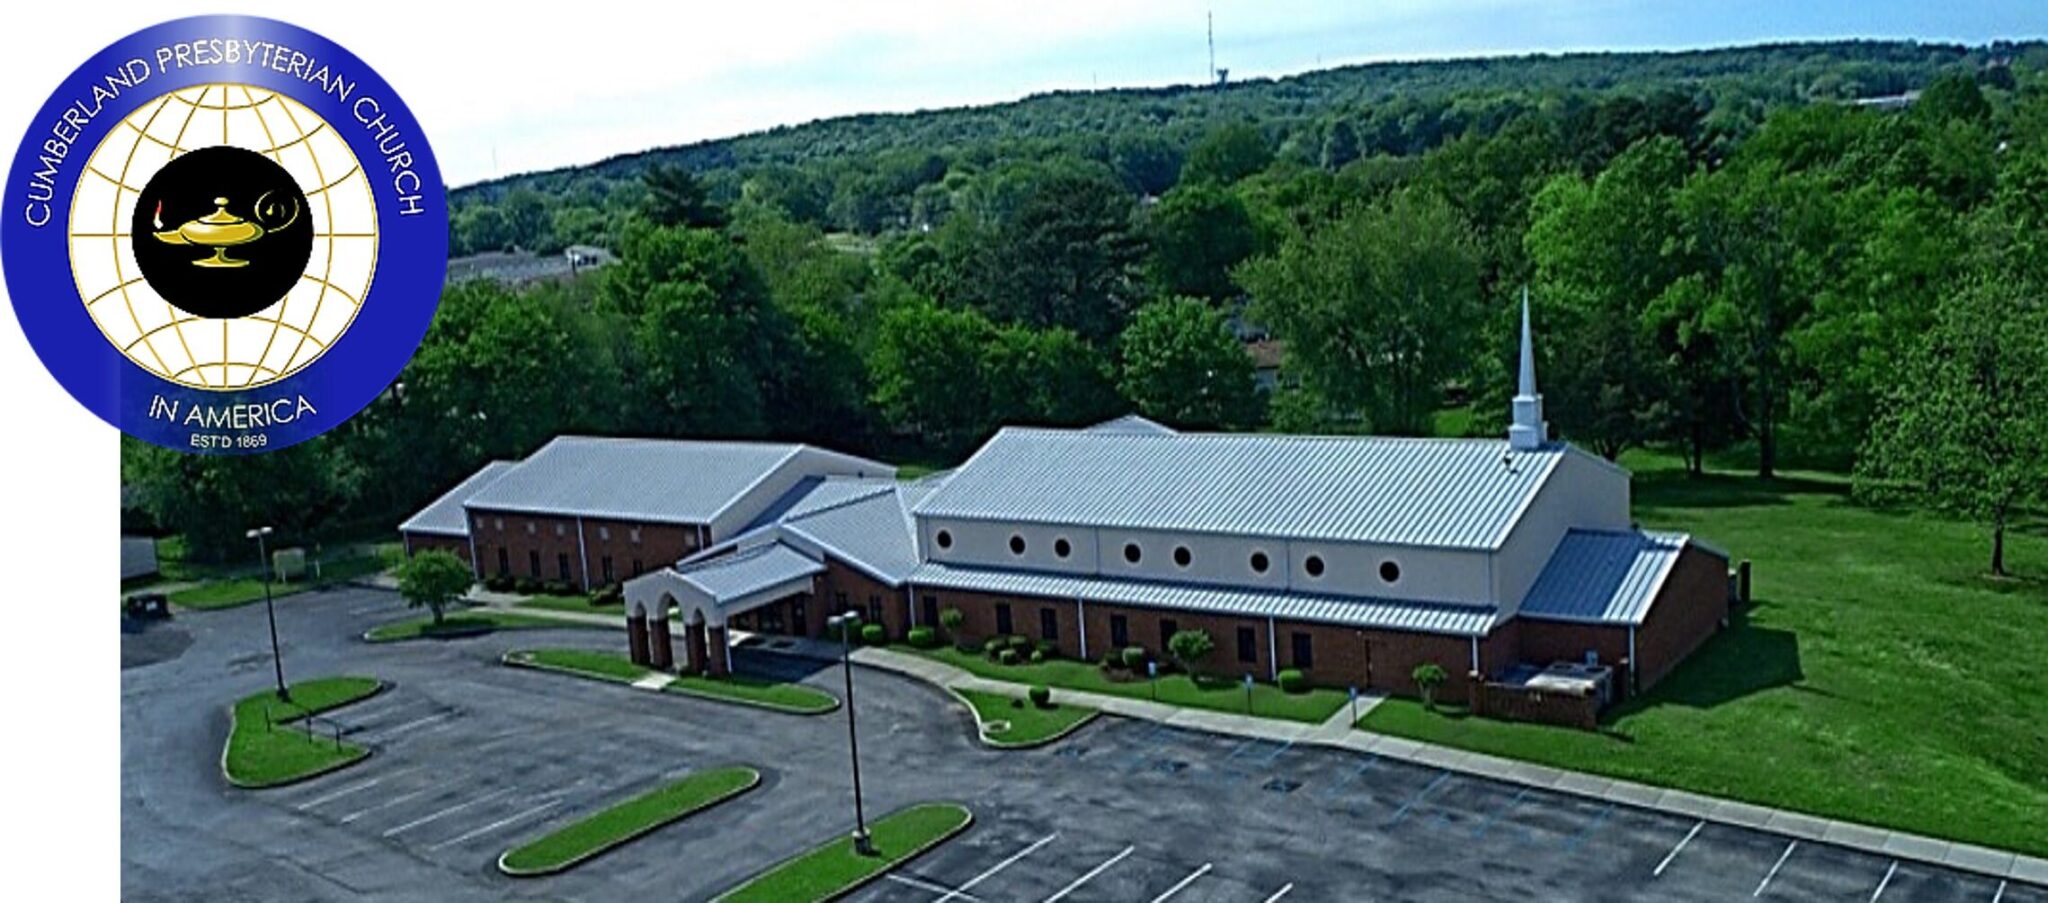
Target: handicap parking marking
(1090, 875)
(1184, 882)
(1337, 787)
(1486, 824)
(1408, 806)
(444, 813)
(1579, 836)
(1761, 886)
(496, 825)
(1679, 848)
(991, 871)
(1147, 744)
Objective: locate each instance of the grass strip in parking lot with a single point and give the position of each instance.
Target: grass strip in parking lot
(1010, 723)
(573, 604)
(754, 691)
(461, 624)
(234, 592)
(265, 749)
(1215, 694)
(601, 831)
(833, 869)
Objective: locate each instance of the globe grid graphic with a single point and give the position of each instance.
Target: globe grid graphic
(272, 343)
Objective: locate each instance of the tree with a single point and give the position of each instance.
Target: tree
(1953, 96)
(433, 579)
(676, 197)
(1047, 376)
(951, 619)
(1199, 232)
(213, 500)
(1189, 648)
(926, 366)
(1227, 153)
(1046, 245)
(1428, 677)
(700, 331)
(1183, 366)
(1340, 146)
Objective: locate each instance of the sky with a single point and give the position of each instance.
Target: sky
(576, 82)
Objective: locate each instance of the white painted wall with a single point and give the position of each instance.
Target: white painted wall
(1585, 492)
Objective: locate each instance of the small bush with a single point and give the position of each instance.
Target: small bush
(874, 634)
(559, 588)
(1049, 648)
(1007, 656)
(1041, 696)
(526, 586)
(1291, 680)
(922, 637)
(1038, 656)
(1134, 657)
(498, 583)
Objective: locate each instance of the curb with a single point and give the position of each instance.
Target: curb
(981, 725)
(629, 838)
(368, 751)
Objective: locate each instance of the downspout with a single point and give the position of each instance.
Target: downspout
(476, 566)
(910, 601)
(583, 552)
(1081, 615)
(1272, 649)
(1475, 653)
(1632, 659)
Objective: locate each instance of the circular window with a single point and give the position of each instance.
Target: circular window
(1132, 553)
(1062, 547)
(1260, 562)
(945, 539)
(1182, 557)
(1390, 571)
(1016, 544)
(1314, 565)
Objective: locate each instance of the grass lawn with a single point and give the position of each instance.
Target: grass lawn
(1218, 694)
(469, 622)
(833, 868)
(232, 592)
(1881, 676)
(739, 688)
(267, 751)
(578, 604)
(1023, 724)
(611, 827)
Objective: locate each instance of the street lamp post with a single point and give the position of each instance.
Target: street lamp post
(847, 623)
(270, 610)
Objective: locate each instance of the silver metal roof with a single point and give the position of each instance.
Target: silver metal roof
(1454, 493)
(742, 574)
(1604, 578)
(873, 533)
(664, 481)
(1132, 423)
(1349, 611)
(445, 516)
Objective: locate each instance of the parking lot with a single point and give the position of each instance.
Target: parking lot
(472, 757)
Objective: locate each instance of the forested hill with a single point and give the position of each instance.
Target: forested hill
(1396, 108)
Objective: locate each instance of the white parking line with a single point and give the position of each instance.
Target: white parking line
(1184, 882)
(2000, 895)
(451, 810)
(950, 893)
(359, 813)
(1283, 891)
(493, 826)
(1888, 873)
(1661, 866)
(416, 722)
(1773, 873)
(962, 890)
(338, 794)
(1090, 876)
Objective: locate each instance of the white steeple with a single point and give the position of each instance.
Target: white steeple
(1528, 431)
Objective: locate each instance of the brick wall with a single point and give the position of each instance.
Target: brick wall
(1520, 704)
(1688, 609)
(1544, 642)
(416, 543)
(862, 593)
(555, 536)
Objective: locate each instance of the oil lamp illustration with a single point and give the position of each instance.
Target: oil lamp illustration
(221, 230)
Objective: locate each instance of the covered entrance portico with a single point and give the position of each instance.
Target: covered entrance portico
(757, 584)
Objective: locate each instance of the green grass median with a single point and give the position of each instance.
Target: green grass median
(234, 592)
(736, 688)
(473, 622)
(573, 604)
(1221, 694)
(601, 831)
(266, 747)
(1009, 722)
(833, 869)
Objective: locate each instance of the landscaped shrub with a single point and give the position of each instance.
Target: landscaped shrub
(609, 594)
(498, 583)
(922, 637)
(874, 634)
(526, 586)
(1291, 680)
(1134, 657)
(559, 588)
(1049, 648)
(1428, 677)
(951, 619)
(1007, 656)
(1041, 696)
(1038, 656)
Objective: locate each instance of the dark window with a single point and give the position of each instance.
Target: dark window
(945, 539)
(1048, 625)
(839, 602)
(1247, 645)
(875, 609)
(1167, 628)
(1314, 565)
(504, 561)
(1016, 544)
(1390, 571)
(1304, 651)
(637, 569)
(605, 564)
(1260, 563)
(1062, 547)
(1182, 557)
(562, 565)
(1003, 625)
(931, 611)
(1132, 553)
(798, 623)
(533, 563)
(1119, 631)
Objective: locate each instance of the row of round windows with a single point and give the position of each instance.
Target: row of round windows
(1182, 556)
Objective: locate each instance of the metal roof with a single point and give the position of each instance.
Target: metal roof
(665, 481)
(745, 573)
(1455, 493)
(873, 533)
(1348, 611)
(445, 517)
(1132, 423)
(1601, 577)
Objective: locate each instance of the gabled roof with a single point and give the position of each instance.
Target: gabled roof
(1131, 423)
(1599, 577)
(864, 523)
(445, 516)
(1449, 493)
(1461, 620)
(745, 573)
(656, 480)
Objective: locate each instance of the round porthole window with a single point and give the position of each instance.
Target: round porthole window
(1132, 553)
(1016, 544)
(1314, 565)
(1260, 563)
(1062, 547)
(1390, 571)
(945, 539)
(1182, 557)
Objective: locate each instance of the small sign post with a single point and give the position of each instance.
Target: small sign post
(1152, 674)
(1354, 706)
(1247, 694)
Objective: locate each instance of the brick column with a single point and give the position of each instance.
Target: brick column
(636, 639)
(661, 656)
(715, 652)
(693, 648)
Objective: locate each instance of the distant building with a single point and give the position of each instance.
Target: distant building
(138, 557)
(522, 267)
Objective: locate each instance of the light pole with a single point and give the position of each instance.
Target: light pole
(270, 610)
(847, 623)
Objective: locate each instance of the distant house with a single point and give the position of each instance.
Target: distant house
(519, 267)
(1266, 355)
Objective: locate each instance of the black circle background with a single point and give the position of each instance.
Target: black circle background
(187, 186)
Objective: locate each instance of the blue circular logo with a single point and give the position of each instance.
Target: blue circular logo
(224, 234)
